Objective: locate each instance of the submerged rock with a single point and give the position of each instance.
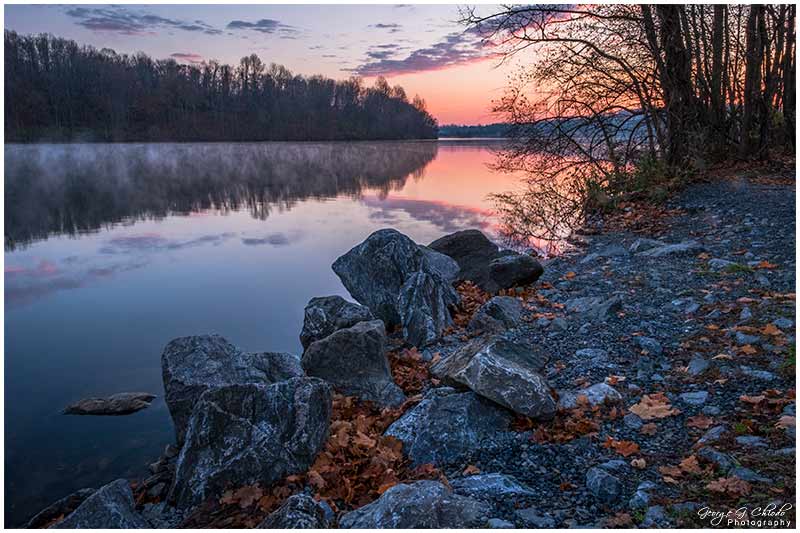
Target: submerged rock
(503, 371)
(123, 403)
(497, 315)
(473, 252)
(250, 434)
(297, 512)
(326, 314)
(446, 425)
(423, 504)
(58, 509)
(192, 365)
(424, 306)
(375, 271)
(110, 507)
(354, 361)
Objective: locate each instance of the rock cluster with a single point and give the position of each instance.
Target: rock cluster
(123, 403)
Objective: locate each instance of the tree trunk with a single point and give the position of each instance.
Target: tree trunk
(753, 95)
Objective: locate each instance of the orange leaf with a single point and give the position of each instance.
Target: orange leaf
(653, 406)
(699, 422)
(471, 470)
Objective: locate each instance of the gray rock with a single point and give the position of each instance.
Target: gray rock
(711, 436)
(697, 365)
(782, 323)
(498, 523)
(446, 426)
(503, 371)
(746, 314)
(516, 270)
(250, 434)
(639, 500)
(110, 507)
(748, 475)
(655, 517)
(596, 394)
(473, 252)
(444, 265)
(123, 403)
(593, 357)
(641, 245)
(605, 487)
(718, 265)
(354, 361)
(649, 345)
(532, 518)
(594, 307)
(490, 486)
(682, 249)
(297, 512)
(192, 365)
(326, 314)
(424, 305)
(751, 441)
(763, 375)
(694, 398)
(59, 508)
(632, 421)
(721, 461)
(498, 314)
(711, 410)
(742, 338)
(375, 271)
(419, 505)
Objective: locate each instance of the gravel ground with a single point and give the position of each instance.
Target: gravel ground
(671, 310)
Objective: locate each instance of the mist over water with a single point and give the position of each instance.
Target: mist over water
(113, 250)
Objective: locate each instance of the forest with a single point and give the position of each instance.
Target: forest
(57, 90)
(627, 101)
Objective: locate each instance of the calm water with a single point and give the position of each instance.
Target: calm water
(113, 250)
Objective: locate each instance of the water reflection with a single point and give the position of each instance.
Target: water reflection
(72, 189)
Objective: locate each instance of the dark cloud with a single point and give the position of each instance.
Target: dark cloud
(380, 54)
(455, 49)
(268, 26)
(118, 19)
(189, 58)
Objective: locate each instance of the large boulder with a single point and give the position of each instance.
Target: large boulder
(192, 365)
(123, 403)
(297, 512)
(503, 371)
(354, 361)
(326, 314)
(497, 315)
(250, 434)
(483, 263)
(424, 306)
(442, 264)
(110, 507)
(447, 425)
(514, 270)
(420, 505)
(375, 271)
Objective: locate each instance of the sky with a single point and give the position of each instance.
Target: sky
(421, 47)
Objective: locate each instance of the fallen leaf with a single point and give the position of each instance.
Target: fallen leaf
(569, 275)
(766, 265)
(622, 447)
(748, 349)
(639, 464)
(730, 485)
(700, 422)
(723, 356)
(653, 406)
(771, 329)
(471, 470)
(690, 465)
(649, 429)
(785, 421)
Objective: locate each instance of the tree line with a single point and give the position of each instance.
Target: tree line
(58, 90)
(622, 99)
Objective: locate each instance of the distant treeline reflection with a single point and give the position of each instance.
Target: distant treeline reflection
(72, 189)
(56, 90)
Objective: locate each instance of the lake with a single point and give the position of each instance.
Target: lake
(113, 250)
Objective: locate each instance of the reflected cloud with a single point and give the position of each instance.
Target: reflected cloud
(273, 239)
(152, 242)
(447, 217)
